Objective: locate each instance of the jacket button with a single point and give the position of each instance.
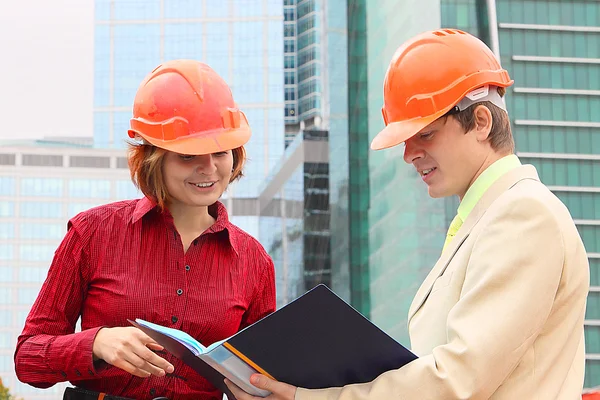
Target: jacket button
(173, 319)
(187, 267)
(152, 392)
(179, 292)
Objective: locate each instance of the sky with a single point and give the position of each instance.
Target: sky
(46, 69)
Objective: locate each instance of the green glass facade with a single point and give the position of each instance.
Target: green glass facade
(405, 226)
(552, 51)
(358, 148)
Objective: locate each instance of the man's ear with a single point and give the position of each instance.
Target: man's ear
(483, 122)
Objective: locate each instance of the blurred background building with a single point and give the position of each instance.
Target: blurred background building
(42, 185)
(294, 216)
(551, 48)
(309, 75)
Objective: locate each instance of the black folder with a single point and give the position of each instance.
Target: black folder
(316, 341)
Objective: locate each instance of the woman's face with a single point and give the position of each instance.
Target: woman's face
(197, 181)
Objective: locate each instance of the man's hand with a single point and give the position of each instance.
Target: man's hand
(279, 390)
(130, 349)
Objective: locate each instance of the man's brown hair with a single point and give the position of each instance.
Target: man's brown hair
(501, 138)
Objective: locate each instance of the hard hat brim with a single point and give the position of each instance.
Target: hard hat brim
(397, 132)
(223, 140)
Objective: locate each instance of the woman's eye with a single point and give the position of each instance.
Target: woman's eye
(185, 157)
(221, 153)
(426, 135)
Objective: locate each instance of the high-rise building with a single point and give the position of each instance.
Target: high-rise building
(294, 223)
(310, 27)
(551, 49)
(240, 39)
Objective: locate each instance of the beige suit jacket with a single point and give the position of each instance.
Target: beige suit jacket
(500, 315)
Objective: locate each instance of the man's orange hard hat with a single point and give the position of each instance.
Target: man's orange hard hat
(184, 106)
(428, 76)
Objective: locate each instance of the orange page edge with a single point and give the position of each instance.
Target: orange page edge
(247, 360)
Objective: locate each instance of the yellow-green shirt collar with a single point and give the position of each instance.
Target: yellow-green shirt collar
(484, 181)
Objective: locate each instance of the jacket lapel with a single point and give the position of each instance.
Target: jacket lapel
(504, 183)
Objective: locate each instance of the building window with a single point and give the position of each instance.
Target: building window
(308, 71)
(42, 187)
(307, 88)
(289, 46)
(7, 209)
(183, 41)
(6, 275)
(87, 188)
(76, 208)
(6, 253)
(36, 252)
(7, 186)
(306, 8)
(289, 14)
(127, 190)
(34, 209)
(32, 274)
(7, 230)
(307, 56)
(290, 94)
(289, 62)
(290, 110)
(42, 231)
(6, 317)
(289, 30)
(290, 78)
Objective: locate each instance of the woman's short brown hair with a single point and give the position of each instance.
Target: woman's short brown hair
(145, 167)
(500, 137)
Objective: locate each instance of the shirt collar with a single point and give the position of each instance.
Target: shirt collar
(484, 181)
(217, 210)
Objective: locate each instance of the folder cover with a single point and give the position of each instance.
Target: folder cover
(316, 341)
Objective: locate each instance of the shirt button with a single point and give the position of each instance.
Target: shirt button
(187, 267)
(152, 392)
(179, 292)
(173, 319)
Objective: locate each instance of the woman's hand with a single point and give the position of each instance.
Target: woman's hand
(131, 350)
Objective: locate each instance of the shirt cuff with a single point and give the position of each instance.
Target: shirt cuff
(71, 355)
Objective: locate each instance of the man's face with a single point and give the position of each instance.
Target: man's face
(447, 158)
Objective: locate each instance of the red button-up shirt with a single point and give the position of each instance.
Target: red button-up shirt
(125, 260)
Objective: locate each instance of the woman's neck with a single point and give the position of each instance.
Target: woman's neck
(190, 219)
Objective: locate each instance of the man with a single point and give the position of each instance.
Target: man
(500, 315)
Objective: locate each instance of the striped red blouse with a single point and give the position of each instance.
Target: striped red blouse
(125, 260)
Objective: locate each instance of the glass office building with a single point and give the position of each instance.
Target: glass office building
(240, 39)
(294, 216)
(551, 49)
(42, 185)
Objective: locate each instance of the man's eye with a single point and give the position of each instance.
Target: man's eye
(426, 135)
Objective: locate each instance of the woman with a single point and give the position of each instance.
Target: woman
(172, 257)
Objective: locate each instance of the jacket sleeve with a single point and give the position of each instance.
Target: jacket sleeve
(512, 277)
(48, 350)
